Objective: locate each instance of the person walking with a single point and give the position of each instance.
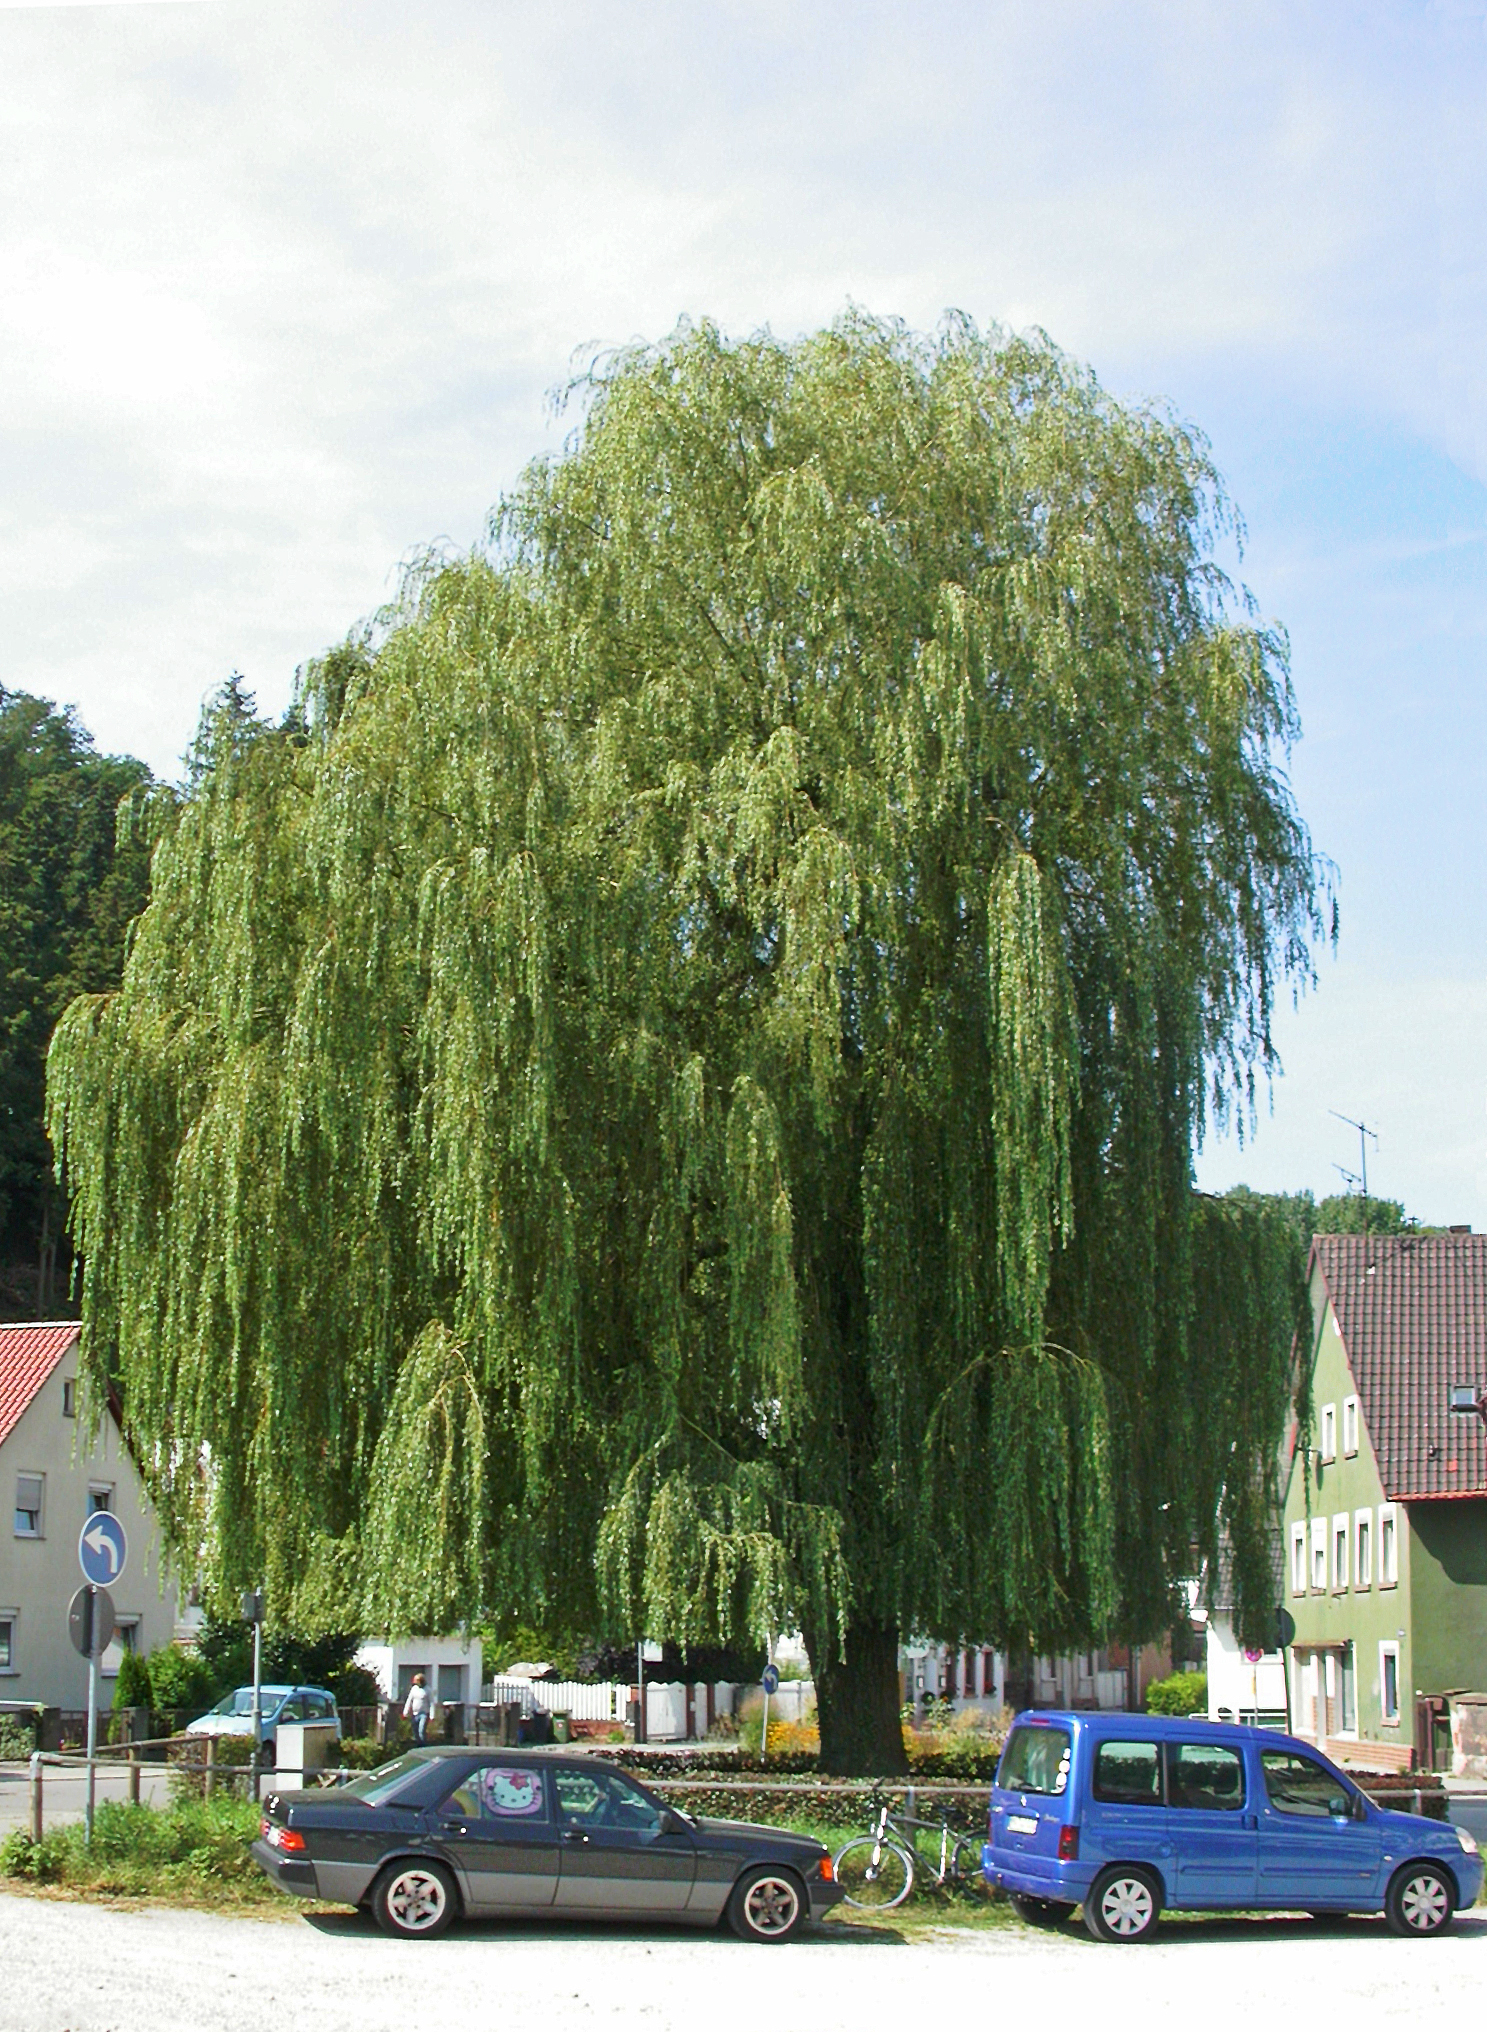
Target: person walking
(416, 1708)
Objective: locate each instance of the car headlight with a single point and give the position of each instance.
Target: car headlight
(1467, 1841)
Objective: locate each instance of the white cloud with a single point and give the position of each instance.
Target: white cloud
(285, 287)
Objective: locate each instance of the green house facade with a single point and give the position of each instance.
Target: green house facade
(1385, 1522)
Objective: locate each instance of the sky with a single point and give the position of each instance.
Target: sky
(284, 292)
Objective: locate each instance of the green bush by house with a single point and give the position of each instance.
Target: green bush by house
(1184, 1693)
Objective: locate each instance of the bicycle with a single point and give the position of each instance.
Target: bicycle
(876, 1870)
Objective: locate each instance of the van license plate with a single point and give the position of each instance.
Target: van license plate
(1021, 1823)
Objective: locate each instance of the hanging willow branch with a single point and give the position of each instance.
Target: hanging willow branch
(666, 1095)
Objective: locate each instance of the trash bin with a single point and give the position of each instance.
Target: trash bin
(562, 1725)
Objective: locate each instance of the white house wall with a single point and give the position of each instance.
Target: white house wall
(39, 1576)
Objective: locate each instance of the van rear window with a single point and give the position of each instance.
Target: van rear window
(1035, 1760)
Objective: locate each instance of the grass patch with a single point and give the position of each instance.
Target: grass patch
(195, 1853)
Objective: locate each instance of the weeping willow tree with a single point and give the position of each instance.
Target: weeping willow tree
(667, 1094)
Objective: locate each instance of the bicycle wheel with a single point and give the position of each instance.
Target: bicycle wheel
(965, 1865)
(874, 1874)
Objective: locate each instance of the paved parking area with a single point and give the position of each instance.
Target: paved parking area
(86, 1968)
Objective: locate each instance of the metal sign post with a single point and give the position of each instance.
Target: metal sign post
(252, 1608)
(90, 1625)
(102, 1553)
(769, 1679)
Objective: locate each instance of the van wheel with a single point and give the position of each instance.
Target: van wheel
(1041, 1911)
(1420, 1900)
(1122, 1904)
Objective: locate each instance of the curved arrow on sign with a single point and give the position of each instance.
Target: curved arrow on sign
(103, 1541)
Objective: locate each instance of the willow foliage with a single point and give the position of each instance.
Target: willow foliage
(680, 1076)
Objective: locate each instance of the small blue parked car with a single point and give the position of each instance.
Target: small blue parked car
(1128, 1815)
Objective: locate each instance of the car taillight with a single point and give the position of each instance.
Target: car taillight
(824, 1869)
(286, 1839)
(1068, 1844)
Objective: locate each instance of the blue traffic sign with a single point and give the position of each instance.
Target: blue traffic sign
(770, 1679)
(102, 1549)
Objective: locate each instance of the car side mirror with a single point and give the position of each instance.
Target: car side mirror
(671, 1823)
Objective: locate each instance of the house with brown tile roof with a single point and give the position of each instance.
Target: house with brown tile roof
(1385, 1522)
(51, 1477)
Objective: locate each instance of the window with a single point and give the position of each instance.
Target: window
(451, 1685)
(1298, 1559)
(1389, 1683)
(7, 1640)
(1388, 1546)
(1350, 1425)
(1363, 1550)
(1349, 1691)
(405, 1679)
(100, 1497)
(1295, 1785)
(1205, 1775)
(1319, 1555)
(499, 1792)
(69, 1396)
(600, 1798)
(1328, 1447)
(1341, 1532)
(1128, 1774)
(1035, 1760)
(30, 1505)
(125, 1638)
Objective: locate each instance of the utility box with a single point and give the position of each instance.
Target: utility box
(303, 1748)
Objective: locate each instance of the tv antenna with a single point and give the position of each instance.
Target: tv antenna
(1364, 1132)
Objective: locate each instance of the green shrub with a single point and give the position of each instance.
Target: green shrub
(133, 1687)
(180, 1679)
(365, 1753)
(17, 1735)
(188, 1756)
(1184, 1693)
(190, 1848)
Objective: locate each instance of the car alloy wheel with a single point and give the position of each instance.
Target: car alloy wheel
(1420, 1900)
(415, 1900)
(1121, 1906)
(766, 1905)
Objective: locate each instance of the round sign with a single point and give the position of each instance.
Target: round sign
(102, 1548)
(90, 1621)
(770, 1679)
(1251, 1655)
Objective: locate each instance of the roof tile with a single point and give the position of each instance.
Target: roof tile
(1413, 1313)
(28, 1355)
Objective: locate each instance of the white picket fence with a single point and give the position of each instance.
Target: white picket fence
(602, 1703)
(666, 1702)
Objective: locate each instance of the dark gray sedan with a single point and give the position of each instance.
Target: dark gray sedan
(511, 1833)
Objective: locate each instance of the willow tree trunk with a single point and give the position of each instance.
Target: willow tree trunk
(857, 1701)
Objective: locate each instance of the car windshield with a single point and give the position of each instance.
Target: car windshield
(240, 1702)
(377, 1786)
(1036, 1759)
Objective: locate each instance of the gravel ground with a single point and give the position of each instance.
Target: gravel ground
(85, 1968)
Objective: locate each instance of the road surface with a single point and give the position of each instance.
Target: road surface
(87, 1968)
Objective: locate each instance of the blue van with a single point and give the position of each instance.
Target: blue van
(1129, 1814)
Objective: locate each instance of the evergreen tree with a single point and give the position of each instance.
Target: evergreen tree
(68, 890)
(665, 1099)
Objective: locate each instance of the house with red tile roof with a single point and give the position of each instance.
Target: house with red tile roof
(52, 1475)
(1385, 1523)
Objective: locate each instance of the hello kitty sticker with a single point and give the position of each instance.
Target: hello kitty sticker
(511, 1792)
